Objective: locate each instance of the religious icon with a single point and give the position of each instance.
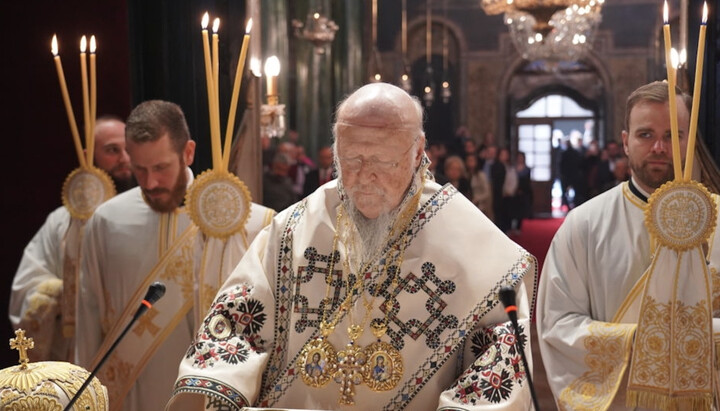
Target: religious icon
(385, 366)
(316, 362)
(316, 366)
(380, 371)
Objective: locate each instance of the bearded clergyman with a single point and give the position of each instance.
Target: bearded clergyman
(377, 291)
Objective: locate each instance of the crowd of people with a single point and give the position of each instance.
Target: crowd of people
(586, 170)
(497, 181)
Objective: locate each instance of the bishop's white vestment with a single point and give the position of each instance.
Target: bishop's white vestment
(128, 245)
(457, 349)
(585, 321)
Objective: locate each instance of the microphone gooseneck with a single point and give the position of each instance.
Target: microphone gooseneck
(154, 293)
(506, 295)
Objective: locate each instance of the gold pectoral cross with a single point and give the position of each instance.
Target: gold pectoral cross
(350, 367)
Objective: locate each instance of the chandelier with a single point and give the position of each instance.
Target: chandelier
(555, 30)
(317, 29)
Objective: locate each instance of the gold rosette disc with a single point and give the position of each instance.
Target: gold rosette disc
(681, 215)
(85, 188)
(218, 203)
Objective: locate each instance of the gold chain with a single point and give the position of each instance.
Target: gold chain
(378, 329)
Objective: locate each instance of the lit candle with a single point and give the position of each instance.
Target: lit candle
(215, 142)
(675, 62)
(85, 96)
(272, 69)
(93, 101)
(696, 96)
(672, 102)
(68, 106)
(215, 58)
(235, 94)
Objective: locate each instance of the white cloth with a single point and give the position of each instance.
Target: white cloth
(596, 258)
(124, 240)
(42, 266)
(451, 330)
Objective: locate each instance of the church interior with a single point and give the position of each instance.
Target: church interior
(487, 71)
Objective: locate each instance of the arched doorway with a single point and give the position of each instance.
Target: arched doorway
(543, 131)
(539, 103)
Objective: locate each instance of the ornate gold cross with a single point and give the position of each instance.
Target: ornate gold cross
(22, 344)
(349, 372)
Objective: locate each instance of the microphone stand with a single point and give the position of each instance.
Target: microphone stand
(155, 292)
(97, 367)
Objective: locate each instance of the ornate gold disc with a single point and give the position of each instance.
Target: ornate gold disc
(384, 366)
(681, 215)
(316, 362)
(85, 189)
(218, 203)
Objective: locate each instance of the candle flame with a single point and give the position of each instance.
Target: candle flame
(666, 13)
(705, 13)
(316, 16)
(255, 67)
(54, 45)
(248, 26)
(93, 45)
(683, 57)
(272, 66)
(674, 58)
(216, 24)
(205, 20)
(83, 44)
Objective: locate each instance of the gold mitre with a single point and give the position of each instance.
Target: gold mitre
(48, 385)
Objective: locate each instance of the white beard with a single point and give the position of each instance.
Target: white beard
(374, 233)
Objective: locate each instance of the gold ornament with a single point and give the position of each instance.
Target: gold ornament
(218, 203)
(316, 362)
(85, 188)
(380, 364)
(48, 385)
(681, 215)
(385, 366)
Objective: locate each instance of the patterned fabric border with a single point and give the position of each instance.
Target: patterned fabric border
(283, 291)
(213, 389)
(456, 338)
(274, 388)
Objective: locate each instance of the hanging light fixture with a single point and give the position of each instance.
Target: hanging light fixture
(317, 29)
(555, 30)
(428, 90)
(374, 63)
(445, 91)
(405, 81)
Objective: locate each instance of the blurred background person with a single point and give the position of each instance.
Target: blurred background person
(479, 185)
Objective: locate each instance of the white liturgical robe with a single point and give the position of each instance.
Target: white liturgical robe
(585, 328)
(126, 246)
(37, 287)
(455, 347)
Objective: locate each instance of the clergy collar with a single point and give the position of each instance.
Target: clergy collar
(639, 193)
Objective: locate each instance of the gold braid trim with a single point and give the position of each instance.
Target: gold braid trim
(659, 401)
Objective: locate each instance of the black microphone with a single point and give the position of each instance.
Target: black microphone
(154, 293)
(507, 298)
